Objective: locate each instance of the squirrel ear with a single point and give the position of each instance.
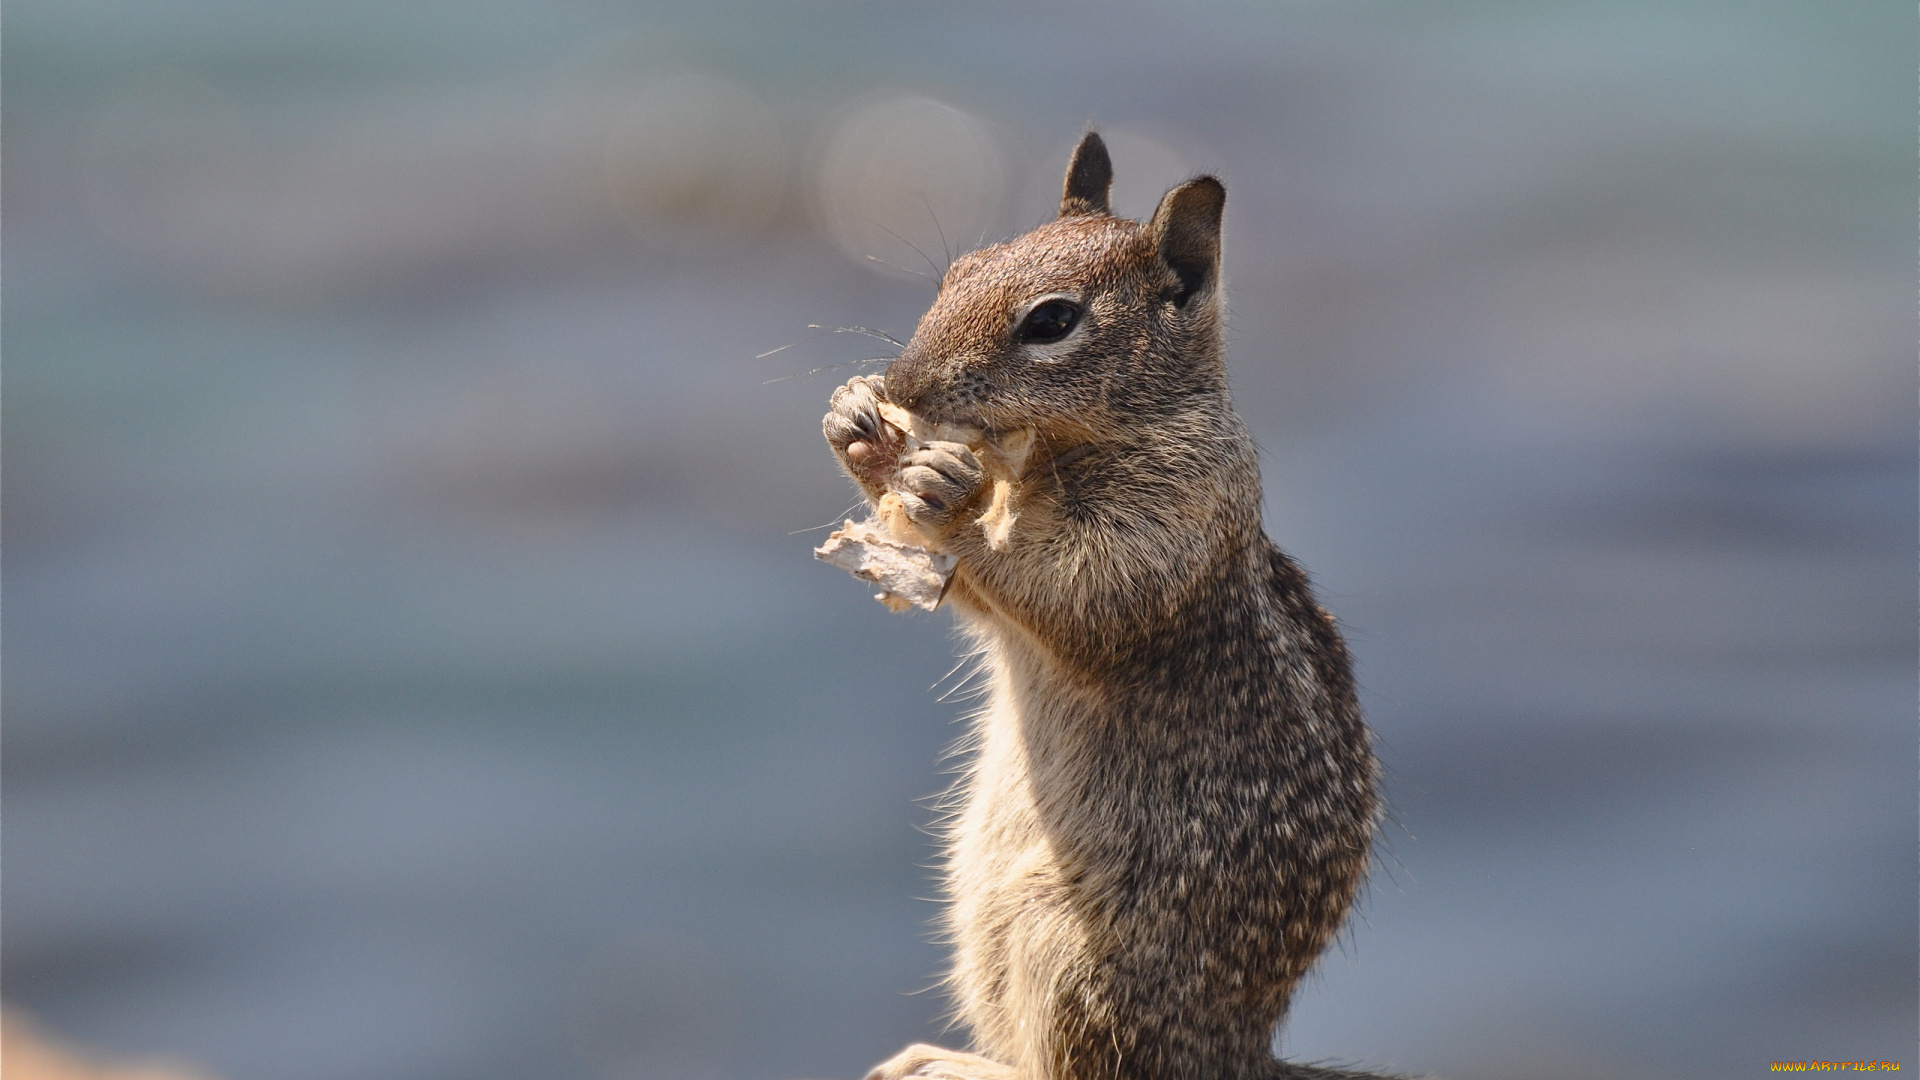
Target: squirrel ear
(1186, 234)
(1089, 178)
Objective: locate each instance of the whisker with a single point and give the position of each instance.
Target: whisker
(831, 524)
(942, 233)
(897, 266)
(916, 248)
(828, 368)
(791, 344)
(872, 333)
(864, 331)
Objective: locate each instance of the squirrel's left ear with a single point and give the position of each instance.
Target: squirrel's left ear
(1185, 231)
(1089, 178)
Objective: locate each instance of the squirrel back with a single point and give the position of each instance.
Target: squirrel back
(1171, 794)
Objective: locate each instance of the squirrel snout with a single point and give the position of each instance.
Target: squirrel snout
(908, 379)
(938, 382)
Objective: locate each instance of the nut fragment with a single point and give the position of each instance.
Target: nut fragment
(889, 551)
(1004, 454)
(907, 574)
(924, 431)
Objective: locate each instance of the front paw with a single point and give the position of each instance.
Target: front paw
(938, 482)
(923, 1062)
(867, 447)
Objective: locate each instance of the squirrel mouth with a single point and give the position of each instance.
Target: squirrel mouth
(957, 419)
(943, 424)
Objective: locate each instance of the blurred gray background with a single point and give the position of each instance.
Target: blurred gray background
(415, 665)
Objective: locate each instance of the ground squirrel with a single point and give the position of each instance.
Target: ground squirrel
(1170, 794)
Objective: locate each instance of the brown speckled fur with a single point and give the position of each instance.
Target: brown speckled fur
(1170, 797)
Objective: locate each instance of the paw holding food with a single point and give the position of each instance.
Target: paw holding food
(933, 474)
(865, 444)
(937, 482)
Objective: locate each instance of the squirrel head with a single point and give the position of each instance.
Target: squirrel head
(1083, 328)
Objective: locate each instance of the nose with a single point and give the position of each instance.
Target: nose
(909, 378)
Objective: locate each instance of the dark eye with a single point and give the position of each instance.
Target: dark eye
(1050, 321)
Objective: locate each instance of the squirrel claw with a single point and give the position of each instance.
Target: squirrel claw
(855, 431)
(937, 481)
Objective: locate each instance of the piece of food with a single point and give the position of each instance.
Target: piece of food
(908, 574)
(1003, 454)
(889, 551)
(925, 432)
(1005, 460)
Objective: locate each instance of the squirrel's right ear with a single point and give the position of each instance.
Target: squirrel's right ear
(1185, 231)
(1089, 178)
